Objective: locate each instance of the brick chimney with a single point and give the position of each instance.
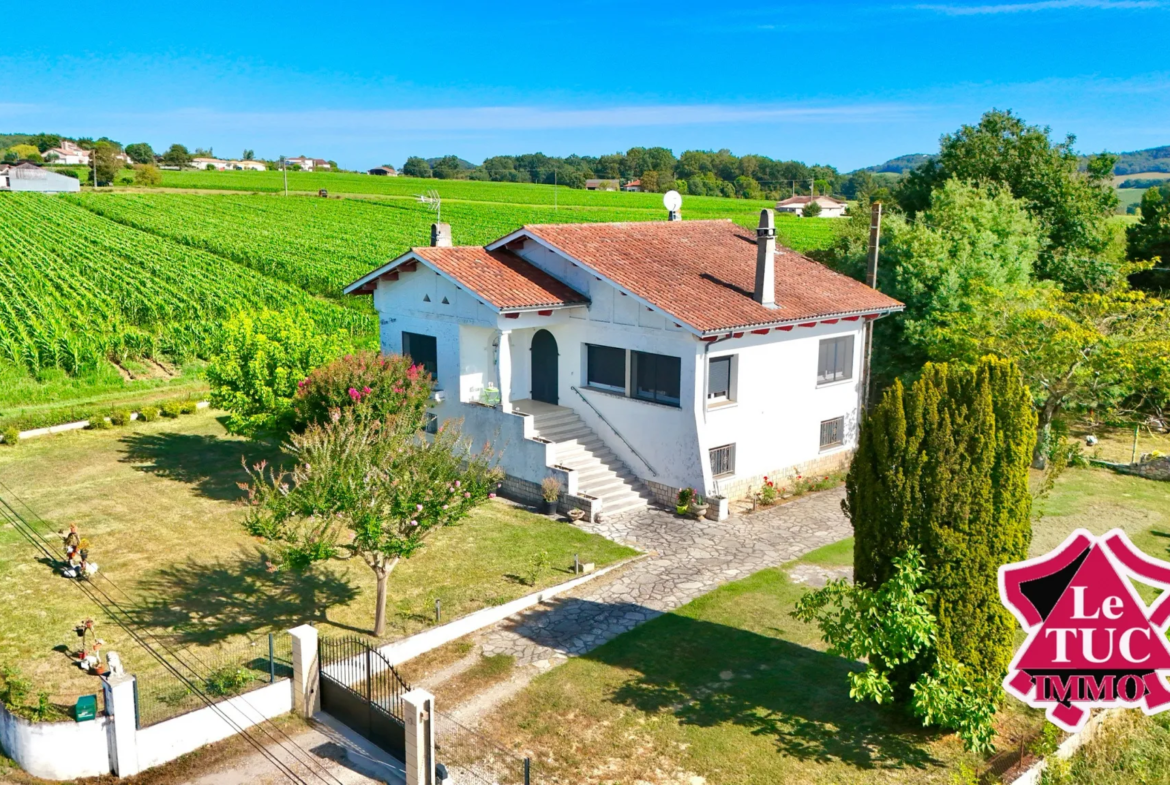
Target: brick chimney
(765, 291)
(440, 235)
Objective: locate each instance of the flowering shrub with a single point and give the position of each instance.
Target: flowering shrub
(373, 386)
(684, 496)
(769, 494)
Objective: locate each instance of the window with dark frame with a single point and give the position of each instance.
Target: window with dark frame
(832, 433)
(719, 379)
(722, 460)
(422, 350)
(836, 360)
(605, 368)
(657, 378)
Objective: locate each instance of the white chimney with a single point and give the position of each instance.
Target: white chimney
(765, 291)
(440, 235)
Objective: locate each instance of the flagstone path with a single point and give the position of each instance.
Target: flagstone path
(686, 558)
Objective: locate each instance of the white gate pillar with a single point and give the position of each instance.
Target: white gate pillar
(418, 709)
(306, 675)
(120, 705)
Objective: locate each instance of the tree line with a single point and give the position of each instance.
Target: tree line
(696, 172)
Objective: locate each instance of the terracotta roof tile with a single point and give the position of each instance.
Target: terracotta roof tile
(500, 277)
(703, 272)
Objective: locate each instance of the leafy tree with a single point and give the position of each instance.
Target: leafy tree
(416, 167)
(26, 152)
(260, 360)
(177, 155)
(370, 489)
(105, 164)
(1149, 238)
(201, 152)
(972, 249)
(746, 187)
(447, 168)
(1107, 353)
(892, 627)
(45, 141)
(650, 180)
(943, 468)
(147, 175)
(249, 155)
(1072, 207)
(140, 153)
(811, 210)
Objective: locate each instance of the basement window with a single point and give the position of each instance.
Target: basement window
(722, 460)
(657, 378)
(605, 368)
(835, 363)
(422, 350)
(832, 433)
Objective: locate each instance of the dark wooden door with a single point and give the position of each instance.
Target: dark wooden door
(544, 367)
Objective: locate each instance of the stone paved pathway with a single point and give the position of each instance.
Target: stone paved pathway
(686, 558)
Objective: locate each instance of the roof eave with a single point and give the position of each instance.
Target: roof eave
(853, 315)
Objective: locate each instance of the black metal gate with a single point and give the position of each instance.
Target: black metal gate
(360, 688)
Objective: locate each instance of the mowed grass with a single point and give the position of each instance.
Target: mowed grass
(159, 504)
(732, 689)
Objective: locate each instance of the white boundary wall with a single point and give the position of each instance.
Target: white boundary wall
(57, 750)
(168, 740)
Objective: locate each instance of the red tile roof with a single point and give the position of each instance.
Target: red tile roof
(703, 272)
(500, 278)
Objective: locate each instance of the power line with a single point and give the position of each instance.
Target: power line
(42, 544)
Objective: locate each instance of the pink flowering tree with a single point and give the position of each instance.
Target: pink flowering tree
(368, 489)
(372, 385)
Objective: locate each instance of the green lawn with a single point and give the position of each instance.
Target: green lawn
(732, 689)
(159, 502)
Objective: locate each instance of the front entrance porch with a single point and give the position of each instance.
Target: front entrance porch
(600, 472)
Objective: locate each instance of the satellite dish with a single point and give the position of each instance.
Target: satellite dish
(672, 200)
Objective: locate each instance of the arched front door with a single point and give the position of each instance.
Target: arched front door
(544, 367)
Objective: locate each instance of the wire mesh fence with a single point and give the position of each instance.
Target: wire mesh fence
(472, 757)
(216, 674)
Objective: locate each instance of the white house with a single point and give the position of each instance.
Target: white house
(67, 153)
(215, 163)
(247, 166)
(633, 359)
(309, 164)
(601, 185)
(830, 207)
(633, 186)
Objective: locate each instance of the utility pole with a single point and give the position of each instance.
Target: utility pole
(871, 271)
(554, 189)
(284, 168)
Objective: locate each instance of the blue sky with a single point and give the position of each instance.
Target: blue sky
(843, 83)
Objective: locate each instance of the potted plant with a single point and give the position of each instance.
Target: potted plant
(683, 504)
(576, 514)
(698, 508)
(550, 489)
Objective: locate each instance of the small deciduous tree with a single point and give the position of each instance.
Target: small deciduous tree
(177, 155)
(416, 167)
(368, 489)
(811, 210)
(147, 175)
(259, 362)
(105, 165)
(372, 385)
(140, 153)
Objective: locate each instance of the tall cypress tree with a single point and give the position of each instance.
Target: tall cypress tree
(944, 467)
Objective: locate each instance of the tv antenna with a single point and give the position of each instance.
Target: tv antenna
(433, 202)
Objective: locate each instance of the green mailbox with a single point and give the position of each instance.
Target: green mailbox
(86, 708)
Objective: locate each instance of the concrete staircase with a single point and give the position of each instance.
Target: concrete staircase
(600, 472)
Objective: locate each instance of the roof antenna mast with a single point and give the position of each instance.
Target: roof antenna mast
(434, 202)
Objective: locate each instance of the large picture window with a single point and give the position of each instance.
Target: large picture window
(422, 350)
(606, 368)
(719, 379)
(657, 377)
(836, 360)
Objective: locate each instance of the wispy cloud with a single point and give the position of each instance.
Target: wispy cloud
(1038, 5)
(537, 118)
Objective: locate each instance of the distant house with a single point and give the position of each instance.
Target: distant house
(215, 163)
(830, 207)
(247, 166)
(67, 153)
(384, 171)
(633, 186)
(27, 176)
(601, 185)
(309, 164)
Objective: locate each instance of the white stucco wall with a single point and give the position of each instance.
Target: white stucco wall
(57, 750)
(168, 740)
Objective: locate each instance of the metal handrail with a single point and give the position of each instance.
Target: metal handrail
(615, 430)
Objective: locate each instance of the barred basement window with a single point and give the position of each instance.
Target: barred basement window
(832, 433)
(722, 460)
